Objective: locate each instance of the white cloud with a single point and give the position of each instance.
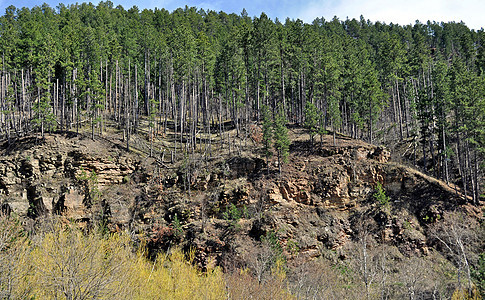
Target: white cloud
(400, 12)
(171, 5)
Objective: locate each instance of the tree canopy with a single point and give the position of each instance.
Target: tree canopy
(89, 64)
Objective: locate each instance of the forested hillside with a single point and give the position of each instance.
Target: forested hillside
(195, 70)
(235, 140)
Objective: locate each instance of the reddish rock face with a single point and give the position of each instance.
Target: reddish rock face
(226, 207)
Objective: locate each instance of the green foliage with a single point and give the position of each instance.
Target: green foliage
(380, 196)
(271, 239)
(267, 131)
(43, 119)
(292, 247)
(431, 219)
(177, 226)
(153, 112)
(89, 181)
(478, 274)
(233, 214)
(281, 139)
(312, 118)
(102, 64)
(407, 225)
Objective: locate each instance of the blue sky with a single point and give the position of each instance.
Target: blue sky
(402, 12)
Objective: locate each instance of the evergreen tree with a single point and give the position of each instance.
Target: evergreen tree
(267, 134)
(192, 71)
(281, 139)
(312, 118)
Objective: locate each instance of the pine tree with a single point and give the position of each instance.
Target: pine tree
(83, 62)
(267, 134)
(281, 139)
(312, 118)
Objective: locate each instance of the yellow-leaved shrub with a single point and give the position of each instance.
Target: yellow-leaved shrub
(15, 260)
(174, 277)
(65, 262)
(69, 262)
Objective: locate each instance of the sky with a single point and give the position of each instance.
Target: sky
(402, 12)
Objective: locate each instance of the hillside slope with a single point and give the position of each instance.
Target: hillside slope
(229, 207)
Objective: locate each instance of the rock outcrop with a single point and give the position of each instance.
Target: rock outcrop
(57, 175)
(321, 202)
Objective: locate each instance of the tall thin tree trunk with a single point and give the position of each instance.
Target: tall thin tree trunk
(445, 155)
(399, 111)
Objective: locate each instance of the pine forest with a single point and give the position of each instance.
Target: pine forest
(180, 88)
(199, 70)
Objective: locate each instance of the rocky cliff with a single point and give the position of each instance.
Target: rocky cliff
(224, 206)
(59, 175)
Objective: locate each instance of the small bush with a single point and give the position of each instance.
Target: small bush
(380, 196)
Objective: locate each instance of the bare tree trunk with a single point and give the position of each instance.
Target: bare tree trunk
(126, 100)
(477, 179)
(399, 111)
(370, 123)
(445, 155)
(469, 168)
(135, 108)
(461, 168)
(117, 95)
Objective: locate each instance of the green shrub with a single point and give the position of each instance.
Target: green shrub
(380, 196)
